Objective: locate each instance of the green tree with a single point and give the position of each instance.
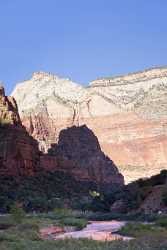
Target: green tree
(17, 213)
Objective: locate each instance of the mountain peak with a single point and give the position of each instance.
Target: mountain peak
(43, 75)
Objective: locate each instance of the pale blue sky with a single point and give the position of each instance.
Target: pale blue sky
(80, 39)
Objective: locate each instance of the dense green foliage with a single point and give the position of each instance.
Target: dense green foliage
(17, 213)
(44, 192)
(164, 197)
(162, 222)
(139, 229)
(47, 191)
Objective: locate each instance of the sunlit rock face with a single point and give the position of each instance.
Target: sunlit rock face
(19, 154)
(47, 104)
(8, 109)
(127, 113)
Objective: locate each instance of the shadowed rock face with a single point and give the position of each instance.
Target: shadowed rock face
(78, 152)
(127, 113)
(19, 154)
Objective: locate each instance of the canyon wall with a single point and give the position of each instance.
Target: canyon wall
(127, 113)
(20, 155)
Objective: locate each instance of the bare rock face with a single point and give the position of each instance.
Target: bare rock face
(47, 104)
(8, 109)
(127, 113)
(19, 154)
(78, 153)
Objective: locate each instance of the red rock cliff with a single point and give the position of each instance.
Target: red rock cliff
(19, 154)
(78, 153)
(127, 113)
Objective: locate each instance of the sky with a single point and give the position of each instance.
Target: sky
(80, 39)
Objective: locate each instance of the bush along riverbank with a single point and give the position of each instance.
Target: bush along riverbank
(21, 231)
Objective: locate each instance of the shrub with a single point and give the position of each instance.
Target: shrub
(164, 198)
(139, 229)
(74, 222)
(17, 213)
(162, 222)
(39, 203)
(63, 212)
(28, 226)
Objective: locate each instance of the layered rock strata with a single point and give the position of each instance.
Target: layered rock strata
(20, 156)
(127, 113)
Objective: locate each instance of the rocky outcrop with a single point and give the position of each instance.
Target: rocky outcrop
(144, 196)
(19, 154)
(127, 113)
(78, 153)
(8, 109)
(47, 104)
(153, 203)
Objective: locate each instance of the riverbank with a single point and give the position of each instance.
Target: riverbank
(95, 230)
(97, 235)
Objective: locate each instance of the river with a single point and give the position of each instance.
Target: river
(96, 230)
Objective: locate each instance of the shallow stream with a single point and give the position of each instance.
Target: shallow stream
(97, 230)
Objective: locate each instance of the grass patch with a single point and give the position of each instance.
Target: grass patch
(84, 244)
(29, 221)
(117, 216)
(74, 222)
(60, 213)
(25, 236)
(139, 229)
(6, 222)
